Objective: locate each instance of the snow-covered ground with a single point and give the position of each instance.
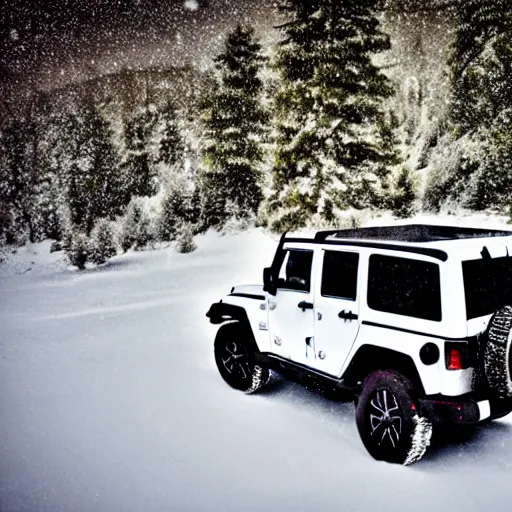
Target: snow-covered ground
(110, 401)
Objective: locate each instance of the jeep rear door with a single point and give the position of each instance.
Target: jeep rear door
(336, 309)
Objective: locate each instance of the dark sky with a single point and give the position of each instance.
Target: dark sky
(48, 43)
(54, 42)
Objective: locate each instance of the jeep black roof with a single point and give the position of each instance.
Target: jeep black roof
(415, 233)
(394, 237)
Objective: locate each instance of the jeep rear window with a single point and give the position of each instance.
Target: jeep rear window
(339, 276)
(404, 287)
(487, 285)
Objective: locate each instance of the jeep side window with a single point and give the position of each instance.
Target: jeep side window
(487, 285)
(339, 275)
(405, 287)
(295, 271)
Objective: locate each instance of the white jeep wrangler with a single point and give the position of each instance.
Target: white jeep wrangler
(414, 321)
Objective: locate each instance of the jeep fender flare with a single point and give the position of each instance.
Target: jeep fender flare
(223, 313)
(370, 358)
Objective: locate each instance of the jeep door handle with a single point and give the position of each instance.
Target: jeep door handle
(305, 305)
(347, 315)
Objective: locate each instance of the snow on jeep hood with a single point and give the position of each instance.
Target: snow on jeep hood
(251, 289)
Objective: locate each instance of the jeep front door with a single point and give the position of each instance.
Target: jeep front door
(291, 320)
(336, 310)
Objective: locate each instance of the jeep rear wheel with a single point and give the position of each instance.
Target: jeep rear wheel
(387, 420)
(235, 360)
(497, 353)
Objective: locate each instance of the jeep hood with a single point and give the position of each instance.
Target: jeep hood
(249, 289)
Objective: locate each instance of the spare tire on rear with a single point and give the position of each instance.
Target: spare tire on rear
(497, 353)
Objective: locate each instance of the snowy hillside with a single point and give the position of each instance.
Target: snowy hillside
(110, 400)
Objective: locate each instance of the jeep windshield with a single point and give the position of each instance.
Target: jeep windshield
(487, 285)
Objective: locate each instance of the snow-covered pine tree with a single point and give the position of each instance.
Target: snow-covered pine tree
(138, 171)
(17, 178)
(174, 210)
(481, 65)
(170, 141)
(334, 145)
(51, 205)
(102, 244)
(137, 229)
(77, 250)
(480, 21)
(46, 205)
(48, 187)
(405, 194)
(91, 174)
(234, 123)
(481, 62)
(185, 239)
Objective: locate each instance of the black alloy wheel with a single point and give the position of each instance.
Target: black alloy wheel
(235, 360)
(384, 416)
(385, 419)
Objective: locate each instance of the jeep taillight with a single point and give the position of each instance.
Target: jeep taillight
(457, 355)
(454, 359)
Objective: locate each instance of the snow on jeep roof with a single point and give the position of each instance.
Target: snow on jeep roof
(413, 233)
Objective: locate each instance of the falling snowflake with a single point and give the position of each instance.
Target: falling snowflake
(191, 5)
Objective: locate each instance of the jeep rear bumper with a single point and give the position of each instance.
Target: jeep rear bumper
(465, 411)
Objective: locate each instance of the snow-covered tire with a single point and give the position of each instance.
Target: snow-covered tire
(497, 353)
(260, 377)
(387, 419)
(235, 361)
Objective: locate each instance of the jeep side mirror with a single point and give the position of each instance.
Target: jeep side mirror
(269, 284)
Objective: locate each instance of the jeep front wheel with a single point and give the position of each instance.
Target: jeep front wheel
(387, 420)
(234, 359)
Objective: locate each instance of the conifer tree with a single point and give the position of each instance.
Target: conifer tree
(17, 177)
(480, 22)
(58, 151)
(482, 63)
(234, 123)
(91, 174)
(46, 201)
(405, 194)
(334, 145)
(139, 174)
(170, 149)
